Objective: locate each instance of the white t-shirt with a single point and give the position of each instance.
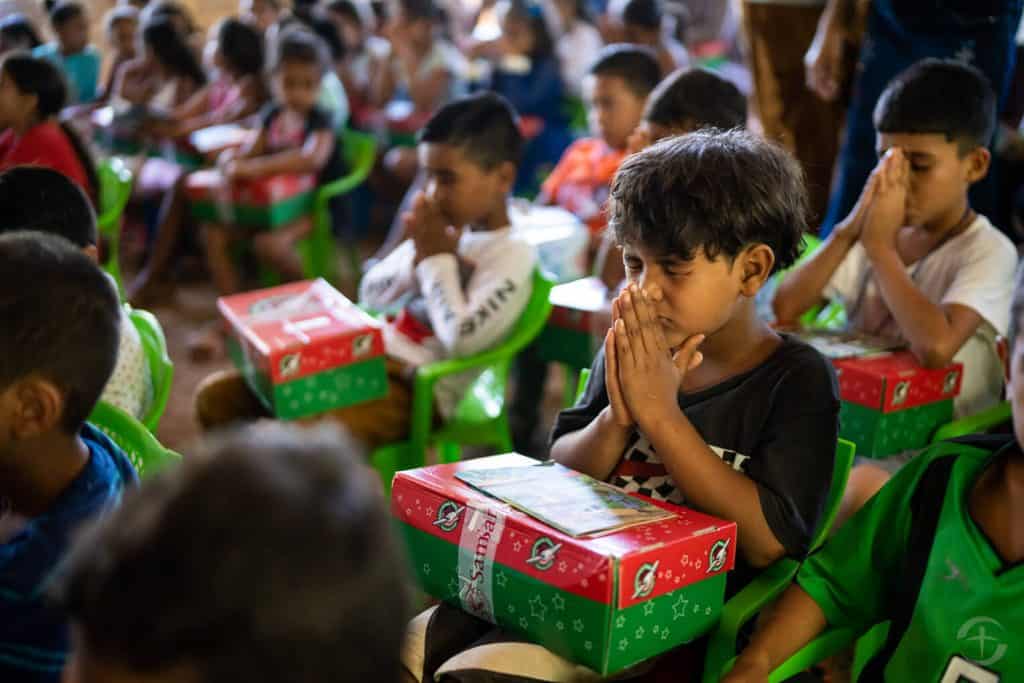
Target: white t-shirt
(973, 269)
(464, 317)
(130, 387)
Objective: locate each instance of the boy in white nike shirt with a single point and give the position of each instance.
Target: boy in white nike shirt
(454, 287)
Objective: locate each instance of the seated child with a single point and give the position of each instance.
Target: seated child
(295, 136)
(261, 14)
(59, 340)
(361, 49)
(913, 261)
(457, 284)
(693, 400)
(122, 25)
(644, 24)
(688, 100)
(32, 92)
(526, 71)
(937, 552)
(237, 92)
(40, 199)
(577, 43)
(418, 69)
(17, 33)
(615, 90)
(72, 53)
(311, 586)
(167, 73)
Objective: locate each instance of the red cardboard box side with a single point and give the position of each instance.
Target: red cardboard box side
(895, 381)
(634, 546)
(347, 335)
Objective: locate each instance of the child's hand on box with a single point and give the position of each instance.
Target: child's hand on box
(888, 208)
(649, 372)
(430, 231)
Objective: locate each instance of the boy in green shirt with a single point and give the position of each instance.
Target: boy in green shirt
(938, 552)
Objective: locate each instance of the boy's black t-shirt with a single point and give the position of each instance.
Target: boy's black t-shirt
(776, 423)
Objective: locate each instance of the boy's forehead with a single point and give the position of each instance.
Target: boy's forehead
(928, 144)
(604, 85)
(440, 155)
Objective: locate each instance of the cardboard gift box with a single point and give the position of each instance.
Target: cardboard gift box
(889, 402)
(304, 348)
(572, 334)
(558, 236)
(264, 202)
(606, 602)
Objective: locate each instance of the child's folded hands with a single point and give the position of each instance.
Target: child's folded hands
(649, 372)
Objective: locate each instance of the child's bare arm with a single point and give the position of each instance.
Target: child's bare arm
(651, 376)
(597, 448)
(935, 332)
(788, 625)
(425, 92)
(382, 81)
(309, 158)
(802, 287)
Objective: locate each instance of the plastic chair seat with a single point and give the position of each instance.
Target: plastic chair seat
(161, 368)
(480, 418)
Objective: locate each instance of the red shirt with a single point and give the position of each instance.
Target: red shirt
(582, 178)
(45, 144)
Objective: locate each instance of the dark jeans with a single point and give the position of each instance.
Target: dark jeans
(891, 44)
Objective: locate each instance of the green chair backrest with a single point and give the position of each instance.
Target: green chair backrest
(131, 436)
(845, 451)
(161, 369)
(975, 424)
(115, 189)
(581, 385)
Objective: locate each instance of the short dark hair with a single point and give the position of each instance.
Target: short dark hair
(716, 191)
(637, 66)
(424, 10)
(65, 11)
(298, 44)
(940, 96)
(267, 554)
(44, 200)
(17, 28)
(65, 328)
(484, 126)
(643, 13)
(694, 99)
(346, 9)
(241, 46)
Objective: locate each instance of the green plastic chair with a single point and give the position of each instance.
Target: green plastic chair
(115, 189)
(770, 583)
(480, 418)
(131, 436)
(161, 368)
(319, 250)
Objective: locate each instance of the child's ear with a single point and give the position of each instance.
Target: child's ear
(507, 172)
(757, 262)
(38, 407)
(92, 252)
(978, 161)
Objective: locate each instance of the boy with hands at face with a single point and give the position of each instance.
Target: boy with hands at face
(693, 399)
(913, 261)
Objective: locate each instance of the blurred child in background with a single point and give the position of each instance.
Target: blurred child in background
(18, 33)
(122, 28)
(72, 52)
(578, 43)
(644, 24)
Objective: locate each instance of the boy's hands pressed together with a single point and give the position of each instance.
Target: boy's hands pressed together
(888, 208)
(430, 231)
(616, 403)
(649, 373)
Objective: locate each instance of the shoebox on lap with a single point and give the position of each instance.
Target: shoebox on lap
(889, 402)
(269, 202)
(572, 334)
(607, 601)
(304, 348)
(558, 236)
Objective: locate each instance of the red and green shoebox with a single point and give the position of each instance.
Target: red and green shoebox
(261, 202)
(606, 602)
(304, 348)
(890, 403)
(569, 335)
